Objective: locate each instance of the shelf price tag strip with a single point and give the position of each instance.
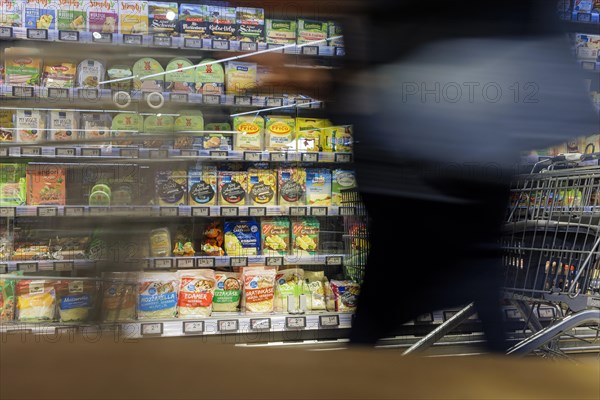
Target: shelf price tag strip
(295, 322)
(205, 262)
(129, 153)
(47, 212)
(274, 261)
(257, 211)
(166, 263)
(248, 46)
(65, 152)
(343, 158)
(96, 211)
(6, 32)
(3, 268)
(151, 329)
(101, 37)
(318, 211)
(211, 99)
(347, 211)
(37, 34)
(31, 151)
(260, 324)
(193, 327)
(329, 321)
(201, 212)
(220, 44)
(230, 211)
(169, 211)
(310, 50)
(310, 157)
(74, 211)
(333, 260)
(88, 94)
(179, 98)
(8, 212)
(159, 154)
(231, 325)
(185, 263)
(298, 211)
(162, 41)
(253, 156)
(3, 152)
(27, 267)
(274, 102)
(64, 266)
(189, 153)
(242, 100)
(68, 36)
(58, 93)
(192, 43)
(91, 153)
(238, 261)
(278, 157)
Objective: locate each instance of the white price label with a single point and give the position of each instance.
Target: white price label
(205, 262)
(189, 153)
(64, 266)
(295, 322)
(230, 211)
(179, 97)
(129, 153)
(134, 40)
(238, 261)
(274, 102)
(31, 151)
(327, 321)
(220, 44)
(74, 211)
(159, 154)
(152, 329)
(228, 325)
(38, 34)
(340, 51)
(67, 330)
(425, 318)
(242, 100)
(318, 211)
(91, 153)
(193, 327)
(27, 267)
(274, 261)
(98, 211)
(6, 32)
(68, 36)
(200, 211)
(22, 91)
(298, 211)
(65, 152)
(88, 94)
(219, 154)
(211, 99)
(253, 156)
(343, 158)
(512, 314)
(546, 313)
(278, 157)
(101, 37)
(8, 212)
(166, 263)
(3, 268)
(58, 93)
(3, 152)
(310, 157)
(303, 103)
(184, 263)
(248, 46)
(334, 260)
(47, 212)
(347, 211)
(162, 41)
(257, 211)
(260, 324)
(169, 211)
(449, 314)
(192, 43)
(310, 50)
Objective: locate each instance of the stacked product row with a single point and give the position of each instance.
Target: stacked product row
(122, 297)
(218, 21)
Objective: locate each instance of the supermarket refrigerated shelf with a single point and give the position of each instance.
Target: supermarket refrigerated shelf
(162, 42)
(180, 211)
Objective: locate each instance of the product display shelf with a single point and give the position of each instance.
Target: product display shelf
(165, 42)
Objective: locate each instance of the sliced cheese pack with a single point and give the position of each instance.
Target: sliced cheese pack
(133, 17)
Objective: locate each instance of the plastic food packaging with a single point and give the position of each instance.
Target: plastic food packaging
(120, 72)
(46, 185)
(11, 14)
(250, 24)
(126, 125)
(242, 238)
(119, 297)
(259, 289)
(59, 75)
(240, 77)
(36, 301)
(171, 187)
(342, 181)
(318, 187)
(160, 243)
(23, 66)
(280, 133)
(250, 132)
(188, 126)
(218, 141)
(133, 17)
(275, 236)
(7, 300)
(196, 291)
(308, 133)
(210, 79)
(213, 240)
(31, 126)
(228, 292)
(144, 67)
(13, 187)
(312, 31)
(193, 20)
(329, 296)
(96, 127)
(90, 73)
(291, 186)
(158, 18)
(345, 295)
(76, 300)
(202, 185)
(103, 16)
(233, 187)
(305, 236)
(315, 290)
(72, 17)
(157, 295)
(262, 186)
(221, 22)
(280, 31)
(63, 126)
(39, 15)
(180, 81)
(7, 126)
(289, 282)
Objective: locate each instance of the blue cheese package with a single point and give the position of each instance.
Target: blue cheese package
(242, 238)
(40, 15)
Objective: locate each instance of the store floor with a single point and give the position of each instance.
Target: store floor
(182, 368)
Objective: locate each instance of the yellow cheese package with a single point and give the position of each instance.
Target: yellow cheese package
(289, 285)
(318, 187)
(228, 292)
(314, 289)
(36, 301)
(280, 133)
(327, 139)
(308, 133)
(157, 295)
(262, 186)
(240, 77)
(259, 290)
(119, 297)
(59, 75)
(133, 17)
(344, 139)
(196, 291)
(233, 187)
(160, 243)
(249, 132)
(76, 300)
(275, 236)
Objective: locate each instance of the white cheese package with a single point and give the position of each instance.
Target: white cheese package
(31, 126)
(63, 126)
(259, 290)
(157, 295)
(289, 282)
(11, 13)
(314, 289)
(196, 291)
(96, 127)
(89, 74)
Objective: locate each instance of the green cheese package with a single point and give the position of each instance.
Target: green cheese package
(125, 125)
(7, 299)
(305, 236)
(160, 125)
(117, 72)
(288, 282)
(343, 184)
(228, 292)
(210, 79)
(145, 67)
(100, 195)
(214, 140)
(280, 31)
(13, 185)
(179, 80)
(275, 234)
(189, 127)
(312, 31)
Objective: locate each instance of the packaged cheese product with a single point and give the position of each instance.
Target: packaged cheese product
(335, 31)
(312, 31)
(196, 291)
(328, 139)
(202, 185)
(233, 187)
(163, 18)
(160, 243)
(119, 297)
(59, 75)
(342, 181)
(262, 186)
(7, 300)
(318, 187)
(133, 17)
(103, 16)
(40, 14)
(119, 72)
(259, 290)
(171, 187)
(221, 22)
(193, 20)
(157, 295)
(178, 80)
(250, 132)
(13, 188)
(76, 300)
(96, 127)
(189, 128)
(159, 125)
(279, 133)
(329, 296)
(144, 67)
(125, 125)
(11, 13)
(31, 126)
(315, 290)
(242, 238)
(22, 66)
(291, 186)
(90, 73)
(345, 294)
(240, 77)
(275, 236)
(7, 125)
(36, 301)
(228, 292)
(71, 15)
(218, 141)
(308, 133)
(305, 236)
(289, 282)
(213, 240)
(210, 79)
(63, 126)
(250, 24)
(344, 139)
(46, 185)
(279, 31)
